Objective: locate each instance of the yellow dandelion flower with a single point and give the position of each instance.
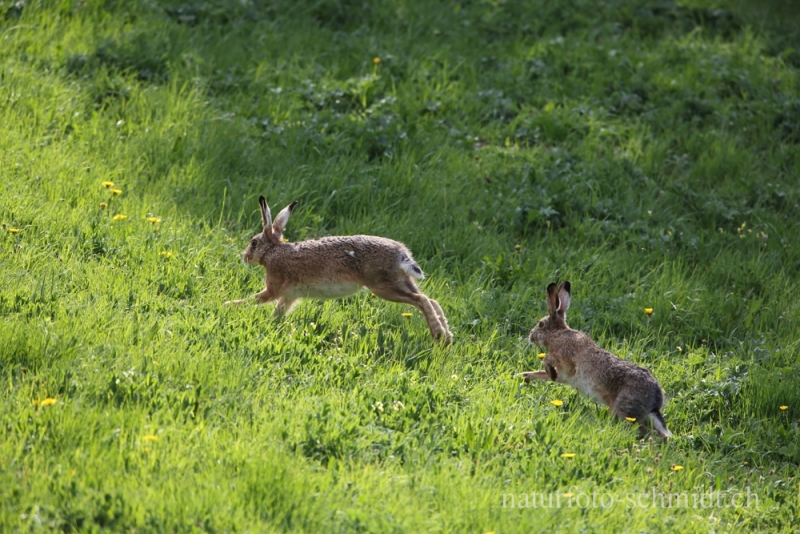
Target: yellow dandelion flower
(49, 401)
(541, 355)
(166, 254)
(119, 217)
(284, 240)
(454, 377)
(517, 247)
(631, 419)
(557, 402)
(676, 467)
(14, 230)
(376, 60)
(104, 204)
(150, 437)
(107, 184)
(568, 455)
(408, 314)
(648, 311)
(569, 495)
(116, 191)
(783, 407)
(154, 220)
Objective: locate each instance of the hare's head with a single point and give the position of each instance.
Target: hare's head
(558, 297)
(271, 236)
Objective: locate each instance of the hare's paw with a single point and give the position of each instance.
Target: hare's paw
(445, 337)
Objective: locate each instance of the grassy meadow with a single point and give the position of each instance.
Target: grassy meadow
(646, 150)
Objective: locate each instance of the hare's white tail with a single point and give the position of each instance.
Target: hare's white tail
(411, 268)
(659, 425)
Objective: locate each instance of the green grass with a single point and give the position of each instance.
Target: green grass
(647, 151)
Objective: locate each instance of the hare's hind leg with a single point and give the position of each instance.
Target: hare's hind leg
(442, 318)
(628, 404)
(406, 291)
(447, 336)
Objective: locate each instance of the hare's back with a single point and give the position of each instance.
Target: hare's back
(358, 258)
(625, 376)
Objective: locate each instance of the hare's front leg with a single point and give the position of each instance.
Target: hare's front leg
(260, 298)
(549, 373)
(284, 306)
(275, 287)
(530, 376)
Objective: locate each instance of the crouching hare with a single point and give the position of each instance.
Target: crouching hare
(337, 266)
(573, 358)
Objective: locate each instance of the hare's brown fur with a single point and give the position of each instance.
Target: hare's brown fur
(630, 391)
(333, 267)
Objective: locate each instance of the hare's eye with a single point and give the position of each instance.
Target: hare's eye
(541, 324)
(253, 242)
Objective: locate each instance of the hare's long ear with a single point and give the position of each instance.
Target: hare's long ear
(266, 217)
(564, 296)
(282, 219)
(552, 299)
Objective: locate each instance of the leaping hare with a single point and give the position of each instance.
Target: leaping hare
(337, 266)
(573, 358)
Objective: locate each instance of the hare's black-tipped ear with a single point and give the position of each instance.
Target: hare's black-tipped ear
(266, 217)
(552, 299)
(564, 293)
(283, 218)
